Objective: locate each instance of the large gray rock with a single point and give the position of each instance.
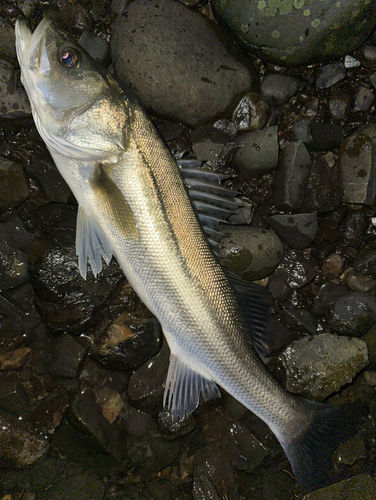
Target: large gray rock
(318, 366)
(300, 31)
(176, 63)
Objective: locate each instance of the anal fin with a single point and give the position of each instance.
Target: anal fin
(183, 389)
(91, 244)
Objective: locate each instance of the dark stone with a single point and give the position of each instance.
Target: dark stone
(278, 89)
(173, 429)
(325, 136)
(353, 314)
(96, 47)
(13, 267)
(290, 177)
(251, 113)
(329, 293)
(13, 232)
(297, 230)
(53, 184)
(49, 413)
(81, 487)
(299, 320)
(13, 398)
(67, 356)
(365, 262)
(330, 74)
(339, 105)
(128, 343)
(136, 422)
(299, 271)
(363, 99)
(278, 286)
(353, 228)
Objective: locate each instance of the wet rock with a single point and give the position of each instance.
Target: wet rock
(8, 43)
(128, 343)
(351, 451)
(325, 136)
(95, 46)
(302, 131)
(14, 188)
(257, 153)
(13, 398)
(173, 429)
(339, 106)
(13, 232)
(356, 159)
(278, 286)
(297, 230)
(369, 52)
(278, 89)
(80, 487)
(251, 113)
(291, 176)
(242, 448)
(353, 228)
(67, 356)
(365, 263)
(297, 33)
(323, 191)
(330, 74)
(279, 338)
(118, 6)
(298, 270)
(53, 184)
(18, 446)
(353, 314)
(299, 320)
(357, 282)
(361, 486)
(146, 385)
(198, 65)
(110, 403)
(49, 413)
(13, 99)
(13, 267)
(244, 251)
(208, 144)
(15, 359)
(152, 451)
(363, 99)
(319, 366)
(332, 266)
(214, 477)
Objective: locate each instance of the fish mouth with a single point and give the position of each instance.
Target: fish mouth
(31, 47)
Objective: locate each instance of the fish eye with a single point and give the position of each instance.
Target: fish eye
(70, 58)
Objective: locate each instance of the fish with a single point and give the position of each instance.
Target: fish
(134, 204)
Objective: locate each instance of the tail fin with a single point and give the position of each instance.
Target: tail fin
(311, 454)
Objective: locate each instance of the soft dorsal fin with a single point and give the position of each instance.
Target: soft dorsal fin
(183, 389)
(254, 301)
(91, 244)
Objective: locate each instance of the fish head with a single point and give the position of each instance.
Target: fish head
(75, 106)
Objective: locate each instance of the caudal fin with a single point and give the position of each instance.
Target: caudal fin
(311, 455)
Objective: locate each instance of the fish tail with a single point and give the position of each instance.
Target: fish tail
(310, 454)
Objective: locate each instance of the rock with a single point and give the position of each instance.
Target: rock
(358, 167)
(15, 359)
(325, 136)
(13, 99)
(53, 184)
(13, 267)
(357, 282)
(242, 448)
(257, 153)
(351, 451)
(251, 113)
(13, 398)
(78, 487)
(128, 343)
(13, 232)
(298, 270)
(278, 89)
(318, 366)
(339, 106)
(330, 75)
(174, 429)
(299, 320)
(160, 47)
(14, 187)
(365, 263)
(18, 446)
(369, 52)
(8, 44)
(96, 47)
(277, 285)
(214, 477)
(118, 6)
(353, 314)
(297, 33)
(146, 385)
(67, 356)
(354, 488)
(363, 99)
(332, 266)
(297, 230)
(353, 228)
(291, 176)
(49, 413)
(136, 422)
(250, 252)
(208, 145)
(323, 191)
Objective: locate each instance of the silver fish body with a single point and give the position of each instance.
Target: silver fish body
(133, 204)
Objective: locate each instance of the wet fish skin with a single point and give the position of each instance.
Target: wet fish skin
(133, 204)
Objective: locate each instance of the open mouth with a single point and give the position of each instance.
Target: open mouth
(31, 47)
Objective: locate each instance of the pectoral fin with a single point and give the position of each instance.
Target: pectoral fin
(111, 200)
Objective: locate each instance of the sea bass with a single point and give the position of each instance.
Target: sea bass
(134, 205)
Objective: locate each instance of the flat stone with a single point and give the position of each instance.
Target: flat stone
(15, 359)
(13, 267)
(299, 320)
(291, 176)
(14, 187)
(356, 487)
(299, 271)
(53, 184)
(165, 46)
(330, 74)
(278, 89)
(244, 251)
(67, 356)
(353, 314)
(318, 366)
(258, 152)
(95, 46)
(297, 230)
(13, 99)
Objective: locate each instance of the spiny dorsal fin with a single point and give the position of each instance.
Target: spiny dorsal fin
(183, 389)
